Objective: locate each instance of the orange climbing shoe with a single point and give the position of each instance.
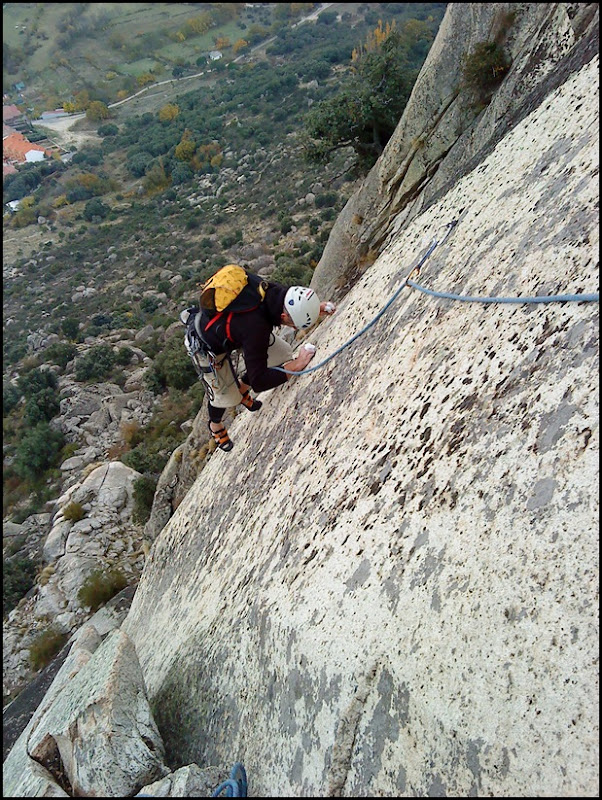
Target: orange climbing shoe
(248, 402)
(221, 438)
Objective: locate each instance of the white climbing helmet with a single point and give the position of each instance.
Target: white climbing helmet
(302, 305)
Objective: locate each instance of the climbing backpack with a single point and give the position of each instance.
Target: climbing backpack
(196, 347)
(231, 290)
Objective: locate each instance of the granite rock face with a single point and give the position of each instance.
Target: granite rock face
(440, 136)
(105, 538)
(389, 586)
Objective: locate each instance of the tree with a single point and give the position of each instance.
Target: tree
(364, 114)
(95, 208)
(156, 179)
(10, 398)
(138, 163)
(168, 112)
(108, 130)
(186, 149)
(37, 451)
(35, 381)
(42, 407)
(181, 173)
(97, 111)
(145, 79)
(199, 24)
(96, 363)
(239, 45)
(60, 353)
(172, 367)
(82, 100)
(70, 328)
(18, 576)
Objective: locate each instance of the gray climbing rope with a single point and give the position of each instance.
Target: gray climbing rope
(559, 298)
(553, 298)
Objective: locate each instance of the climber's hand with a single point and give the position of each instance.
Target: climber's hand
(326, 309)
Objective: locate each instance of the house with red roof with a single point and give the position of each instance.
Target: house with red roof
(16, 149)
(10, 113)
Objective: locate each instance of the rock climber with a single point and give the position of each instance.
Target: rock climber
(252, 332)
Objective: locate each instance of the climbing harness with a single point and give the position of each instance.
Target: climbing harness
(560, 298)
(236, 785)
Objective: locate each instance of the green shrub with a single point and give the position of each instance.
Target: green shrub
(326, 200)
(60, 353)
(124, 356)
(96, 363)
(37, 451)
(286, 225)
(74, 512)
(173, 366)
(42, 407)
(484, 68)
(18, 576)
(144, 458)
(144, 493)
(37, 380)
(100, 586)
(70, 328)
(291, 273)
(10, 398)
(46, 646)
(149, 304)
(108, 130)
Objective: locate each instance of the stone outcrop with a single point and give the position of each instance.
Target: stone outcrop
(96, 414)
(94, 733)
(18, 713)
(105, 538)
(190, 781)
(179, 474)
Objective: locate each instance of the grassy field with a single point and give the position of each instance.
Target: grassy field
(192, 48)
(137, 68)
(106, 59)
(50, 72)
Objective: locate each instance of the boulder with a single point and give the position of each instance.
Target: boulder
(136, 382)
(102, 727)
(189, 781)
(94, 725)
(73, 463)
(163, 501)
(144, 334)
(54, 546)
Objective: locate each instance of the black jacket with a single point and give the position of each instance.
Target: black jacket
(251, 332)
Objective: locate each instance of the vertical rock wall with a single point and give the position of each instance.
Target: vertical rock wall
(389, 586)
(445, 131)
